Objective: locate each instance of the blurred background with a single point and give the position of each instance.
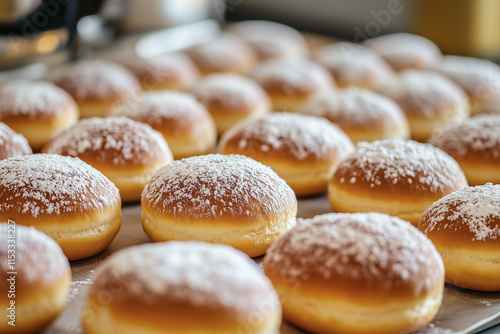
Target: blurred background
(53, 31)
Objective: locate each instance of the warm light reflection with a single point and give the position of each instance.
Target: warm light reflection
(48, 42)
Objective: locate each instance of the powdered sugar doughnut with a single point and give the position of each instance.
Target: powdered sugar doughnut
(303, 150)
(185, 124)
(290, 81)
(126, 151)
(226, 53)
(406, 51)
(356, 273)
(400, 178)
(12, 144)
(226, 199)
(173, 71)
(161, 288)
(465, 228)
(271, 39)
(231, 98)
(64, 197)
(353, 65)
(36, 277)
(37, 110)
(95, 85)
(479, 78)
(361, 114)
(475, 145)
(429, 101)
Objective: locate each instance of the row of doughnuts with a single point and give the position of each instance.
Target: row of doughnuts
(248, 206)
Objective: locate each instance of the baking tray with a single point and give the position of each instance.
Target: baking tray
(462, 311)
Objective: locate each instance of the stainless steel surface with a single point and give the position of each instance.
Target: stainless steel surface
(462, 311)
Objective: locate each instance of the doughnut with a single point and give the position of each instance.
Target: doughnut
(185, 123)
(475, 145)
(65, 198)
(224, 199)
(289, 82)
(35, 279)
(363, 115)
(353, 65)
(271, 39)
(428, 100)
(12, 144)
(231, 98)
(226, 53)
(173, 71)
(465, 228)
(301, 149)
(393, 176)
(406, 51)
(180, 287)
(356, 273)
(479, 78)
(95, 85)
(127, 152)
(37, 110)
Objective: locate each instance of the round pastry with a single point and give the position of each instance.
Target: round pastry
(356, 273)
(173, 71)
(161, 288)
(126, 151)
(303, 150)
(404, 51)
(361, 114)
(227, 53)
(465, 228)
(185, 124)
(95, 85)
(37, 110)
(290, 82)
(271, 39)
(475, 145)
(12, 144)
(64, 197)
(429, 101)
(35, 279)
(226, 199)
(353, 65)
(397, 177)
(479, 78)
(231, 98)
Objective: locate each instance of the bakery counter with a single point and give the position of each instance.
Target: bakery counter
(462, 311)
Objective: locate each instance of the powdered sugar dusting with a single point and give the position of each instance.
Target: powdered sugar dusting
(157, 107)
(478, 77)
(215, 185)
(53, 184)
(394, 161)
(94, 79)
(353, 64)
(292, 75)
(355, 107)
(304, 136)
(363, 246)
(475, 209)
(423, 93)
(38, 257)
(202, 274)
(12, 144)
(481, 133)
(113, 139)
(33, 99)
(229, 90)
